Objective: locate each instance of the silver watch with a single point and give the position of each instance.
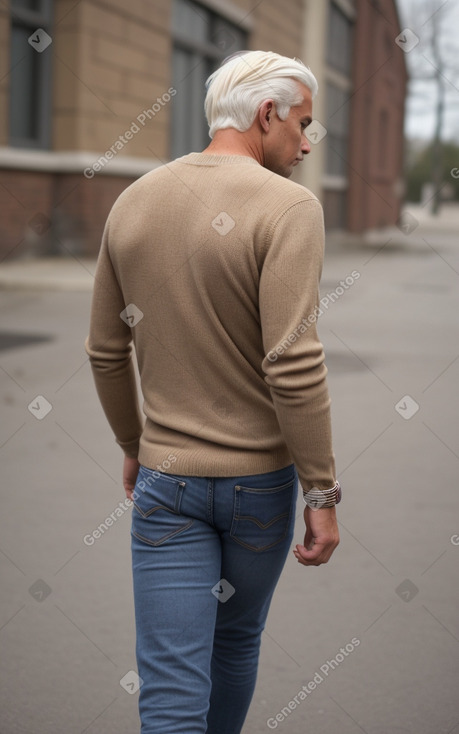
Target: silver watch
(320, 498)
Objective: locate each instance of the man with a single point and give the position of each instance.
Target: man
(211, 266)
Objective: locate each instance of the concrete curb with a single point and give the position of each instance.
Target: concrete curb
(77, 274)
(48, 274)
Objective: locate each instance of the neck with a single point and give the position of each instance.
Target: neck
(233, 142)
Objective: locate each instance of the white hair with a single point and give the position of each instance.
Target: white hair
(242, 83)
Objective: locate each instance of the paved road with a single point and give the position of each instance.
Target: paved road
(368, 643)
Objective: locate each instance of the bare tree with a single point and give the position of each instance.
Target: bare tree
(434, 72)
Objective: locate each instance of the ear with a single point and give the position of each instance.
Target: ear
(265, 114)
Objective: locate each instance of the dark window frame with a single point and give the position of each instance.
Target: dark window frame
(339, 52)
(338, 127)
(209, 53)
(39, 81)
(337, 21)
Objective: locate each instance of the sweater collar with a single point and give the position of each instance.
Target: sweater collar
(210, 159)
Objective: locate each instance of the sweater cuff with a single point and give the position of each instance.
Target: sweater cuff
(130, 448)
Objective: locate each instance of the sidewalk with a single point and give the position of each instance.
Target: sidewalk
(48, 273)
(367, 643)
(415, 223)
(77, 274)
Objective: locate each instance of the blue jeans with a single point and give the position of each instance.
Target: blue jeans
(206, 556)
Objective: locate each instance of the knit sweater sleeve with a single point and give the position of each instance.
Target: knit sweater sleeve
(109, 346)
(294, 359)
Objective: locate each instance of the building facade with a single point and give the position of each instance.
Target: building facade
(95, 93)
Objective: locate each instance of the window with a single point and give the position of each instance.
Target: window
(383, 136)
(337, 101)
(339, 41)
(30, 75)
(201, 40)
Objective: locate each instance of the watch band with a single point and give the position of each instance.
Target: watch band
(320, 498)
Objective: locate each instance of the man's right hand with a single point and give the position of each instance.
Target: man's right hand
(321, 538)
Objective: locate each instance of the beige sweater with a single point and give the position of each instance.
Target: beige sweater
(211, 266)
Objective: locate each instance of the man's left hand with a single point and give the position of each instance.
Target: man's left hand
(130, 470)
(321, 539)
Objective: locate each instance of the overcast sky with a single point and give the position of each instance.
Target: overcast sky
(416, 15)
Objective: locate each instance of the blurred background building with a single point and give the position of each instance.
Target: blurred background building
(95, 93)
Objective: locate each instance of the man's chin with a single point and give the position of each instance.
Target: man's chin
(289, 169)
(285, 172)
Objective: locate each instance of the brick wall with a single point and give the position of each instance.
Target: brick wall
(54, 214)
(22, 196)
(111, 62)
(377, 114)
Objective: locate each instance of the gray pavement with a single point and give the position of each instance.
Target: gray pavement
(368, 643)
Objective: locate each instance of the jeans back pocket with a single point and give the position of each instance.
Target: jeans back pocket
(156, 514)
(262, 516)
